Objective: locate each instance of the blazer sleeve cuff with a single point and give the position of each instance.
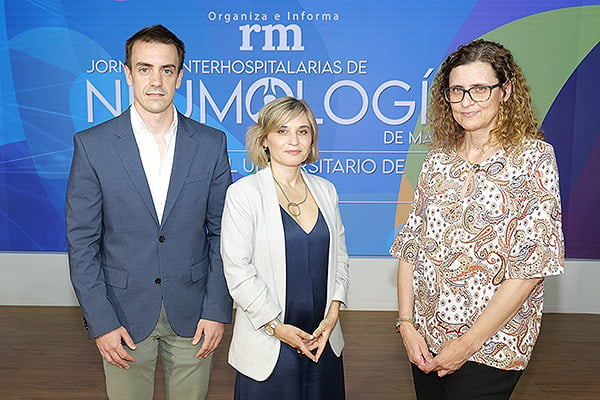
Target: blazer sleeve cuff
(260, 315)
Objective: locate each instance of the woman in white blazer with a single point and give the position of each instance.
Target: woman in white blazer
(286, 265)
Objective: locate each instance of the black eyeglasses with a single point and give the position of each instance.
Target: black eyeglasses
(478, 94)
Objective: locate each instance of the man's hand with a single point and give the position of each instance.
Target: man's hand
(112, 350)
(213, 333)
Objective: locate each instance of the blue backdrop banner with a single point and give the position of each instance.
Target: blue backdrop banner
(364, 67)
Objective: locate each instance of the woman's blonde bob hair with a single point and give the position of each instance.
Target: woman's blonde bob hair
(272, 116)
(515, 116)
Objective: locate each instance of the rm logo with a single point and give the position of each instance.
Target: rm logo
(269, 30)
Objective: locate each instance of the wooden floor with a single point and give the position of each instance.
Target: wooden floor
(44, 354)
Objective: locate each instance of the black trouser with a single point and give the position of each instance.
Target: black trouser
(471, 381)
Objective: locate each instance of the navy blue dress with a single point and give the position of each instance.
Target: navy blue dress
(295, 377)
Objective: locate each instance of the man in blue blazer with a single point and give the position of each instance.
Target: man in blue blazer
(143, 212)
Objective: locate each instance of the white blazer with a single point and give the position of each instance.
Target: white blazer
(253, 250)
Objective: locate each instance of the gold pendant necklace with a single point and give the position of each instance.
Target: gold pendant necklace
(294, 208)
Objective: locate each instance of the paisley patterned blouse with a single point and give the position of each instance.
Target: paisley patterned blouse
(472, 227)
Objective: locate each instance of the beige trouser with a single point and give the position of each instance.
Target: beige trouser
(186, 377)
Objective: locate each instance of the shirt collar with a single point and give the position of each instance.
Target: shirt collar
(139, 126)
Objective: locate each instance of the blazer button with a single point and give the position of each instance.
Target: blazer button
(157, 281)
(161, 238)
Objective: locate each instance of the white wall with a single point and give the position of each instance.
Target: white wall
(43, 279)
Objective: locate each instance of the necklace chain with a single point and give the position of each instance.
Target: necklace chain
(293, 208)
(476, 166)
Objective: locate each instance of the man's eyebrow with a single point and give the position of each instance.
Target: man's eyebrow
(145, 64)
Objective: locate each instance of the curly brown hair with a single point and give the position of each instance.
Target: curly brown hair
(516, 121)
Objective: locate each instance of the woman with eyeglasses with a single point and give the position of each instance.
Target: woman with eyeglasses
(483, 232)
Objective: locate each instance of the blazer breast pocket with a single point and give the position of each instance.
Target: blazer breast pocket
(195, 179)
(194, 194)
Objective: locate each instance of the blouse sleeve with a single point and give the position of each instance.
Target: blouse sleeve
(535, 234)
(407, 242)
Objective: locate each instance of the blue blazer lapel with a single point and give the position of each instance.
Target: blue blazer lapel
(127, 149)
(185, 150)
